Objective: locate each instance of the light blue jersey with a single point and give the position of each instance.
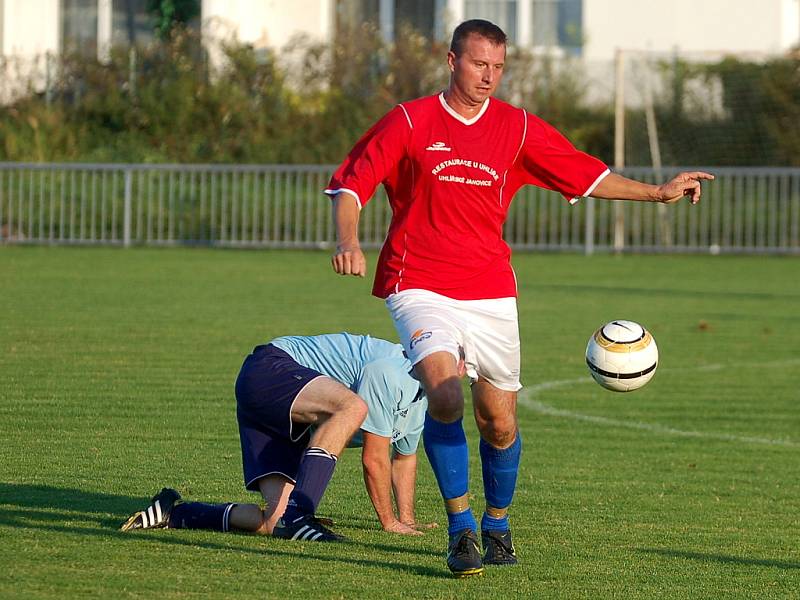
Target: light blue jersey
(378, 372)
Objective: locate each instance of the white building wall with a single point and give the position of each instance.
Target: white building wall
(791, 24)
(268, 23)
(765, 26)
(29, 27)
(29, 32)
(32, 27)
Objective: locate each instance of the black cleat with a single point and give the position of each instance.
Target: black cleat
(498, 549)
(463, 554)
(306, 528)
(155, 516)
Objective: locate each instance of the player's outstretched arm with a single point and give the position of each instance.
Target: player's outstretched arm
(378, 479)
(348, 258)
(686, 184)
(404, 481)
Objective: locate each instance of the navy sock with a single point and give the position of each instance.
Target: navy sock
(316, 470)
(446, 447)
(500, 467)
(198, 515)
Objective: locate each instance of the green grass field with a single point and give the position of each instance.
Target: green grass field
(116, 378)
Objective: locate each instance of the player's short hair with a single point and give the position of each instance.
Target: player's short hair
(479, 27)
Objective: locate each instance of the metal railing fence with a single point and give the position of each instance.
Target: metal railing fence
(746, 210)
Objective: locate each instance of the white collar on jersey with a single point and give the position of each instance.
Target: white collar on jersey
(457, 116)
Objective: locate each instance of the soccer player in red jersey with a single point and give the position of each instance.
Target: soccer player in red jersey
(451, 164)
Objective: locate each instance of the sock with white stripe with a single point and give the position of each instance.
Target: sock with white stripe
(197, 515)
(313, 476)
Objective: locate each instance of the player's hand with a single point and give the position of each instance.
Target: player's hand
(401, 528)
(684, 184)
(349, 260)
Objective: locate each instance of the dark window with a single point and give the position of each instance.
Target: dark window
(419, 14)
(350, 14)
(558, 23)
(131, 24)
(502, 13)
(79, 25)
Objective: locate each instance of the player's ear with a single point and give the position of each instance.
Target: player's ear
(451, 61)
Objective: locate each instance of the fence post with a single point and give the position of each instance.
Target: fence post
(48, 80)
(132, 71)
(588, 242)
(619, 145)
(126, 223)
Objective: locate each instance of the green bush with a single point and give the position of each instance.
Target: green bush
(727, 113)
(309, 102)
(306, 104)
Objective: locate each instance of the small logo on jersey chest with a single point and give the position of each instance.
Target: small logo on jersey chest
(439, 146)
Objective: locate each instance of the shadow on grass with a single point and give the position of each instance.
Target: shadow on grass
(721, 558)
(37, 507)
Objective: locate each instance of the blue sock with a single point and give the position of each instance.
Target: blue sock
(492, 524)
(446, 447)
(459, 521)
(313, 476)
(500, 467)
(198, 515)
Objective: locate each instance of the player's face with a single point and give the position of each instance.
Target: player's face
(476, 73)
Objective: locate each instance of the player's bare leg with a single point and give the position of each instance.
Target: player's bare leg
(168, 510)
(253, 518)
(446, 447)
(334, 409)
(439, 374)
(237, 517)
(338, 413)
(496, 416)
(495, 413)
(275, 490)
(247, 517)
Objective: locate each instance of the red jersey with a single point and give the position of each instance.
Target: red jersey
(450, 182)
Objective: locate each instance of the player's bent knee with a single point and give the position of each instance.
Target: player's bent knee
(500, 433)
(350, 408)
(446, 412)
(359, 410)
(446, 401)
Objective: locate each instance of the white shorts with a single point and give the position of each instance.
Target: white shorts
(487, 330)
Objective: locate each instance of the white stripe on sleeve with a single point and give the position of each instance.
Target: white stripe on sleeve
(332, 193)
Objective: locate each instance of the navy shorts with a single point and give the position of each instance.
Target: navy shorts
(266, 389)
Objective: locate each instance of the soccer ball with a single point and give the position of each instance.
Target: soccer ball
(622, 356)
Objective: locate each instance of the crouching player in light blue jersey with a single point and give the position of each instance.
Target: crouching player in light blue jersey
(299, 401)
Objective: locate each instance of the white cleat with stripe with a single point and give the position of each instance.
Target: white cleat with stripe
(155, 516)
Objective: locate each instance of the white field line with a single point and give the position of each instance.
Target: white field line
(527, 397)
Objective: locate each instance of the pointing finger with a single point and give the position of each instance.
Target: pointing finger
(700, 175)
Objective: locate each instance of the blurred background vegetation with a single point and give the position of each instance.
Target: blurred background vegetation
(308, 103)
